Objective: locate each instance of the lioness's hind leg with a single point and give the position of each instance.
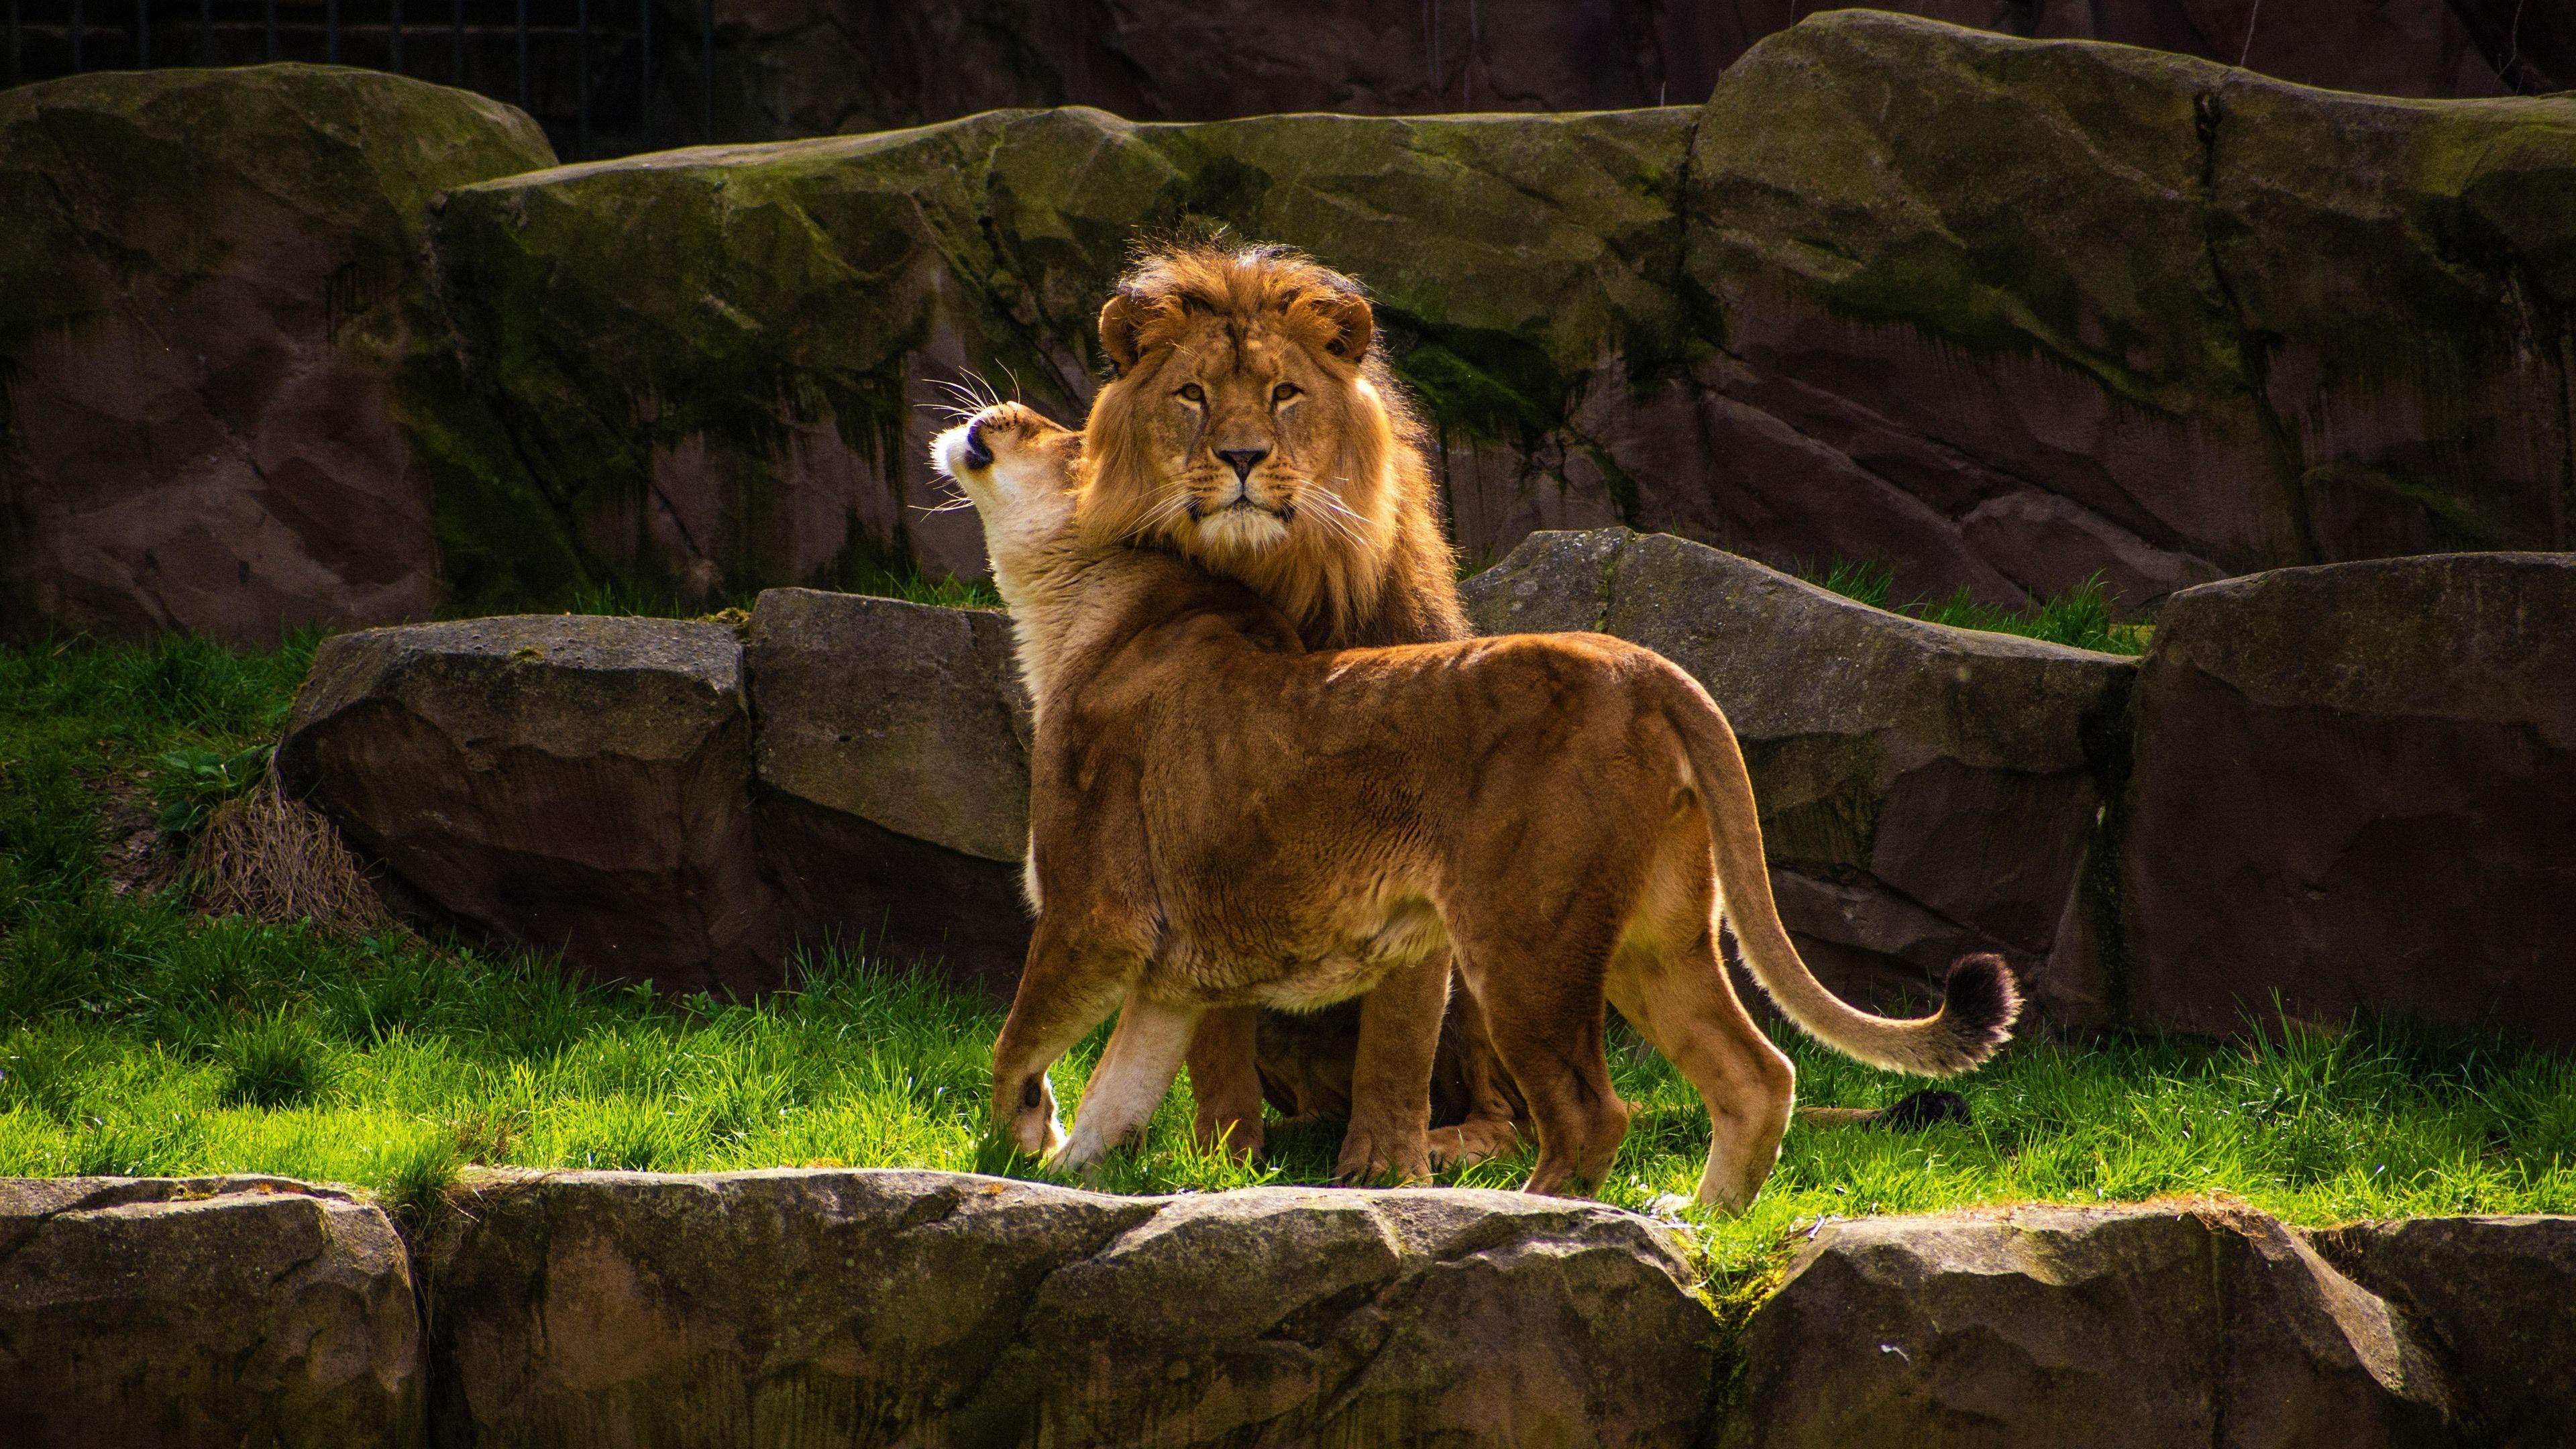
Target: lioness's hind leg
(1143, 1056)
(1681, 1000)
(1226, 1082)
(1493, 1123)
(1542, 1002)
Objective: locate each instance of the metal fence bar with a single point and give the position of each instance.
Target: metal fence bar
(460, 42)
(393, 41)
(142, 34)
(331, 31)
(205, 32)
(644, 48)
(581, 73)
(77, 37)
(272, 30)
(707, 93)
(13, 42)
(523, 54)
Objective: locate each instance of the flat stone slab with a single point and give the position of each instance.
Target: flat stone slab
(927, 1307)
(2123, 1328)
(209, 1311)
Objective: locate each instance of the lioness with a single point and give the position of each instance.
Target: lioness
(1221, 817)
(1252, 427)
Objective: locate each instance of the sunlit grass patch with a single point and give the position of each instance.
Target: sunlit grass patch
(137, 1037)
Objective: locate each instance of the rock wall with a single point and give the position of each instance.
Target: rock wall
(2004, 313)
(653, 799)
(790, 69)
(924, 1307)
(798, 1307)
(2344, 785)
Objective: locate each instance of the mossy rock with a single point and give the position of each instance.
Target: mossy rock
(879, 1306)
(719, 360)
(208, 282)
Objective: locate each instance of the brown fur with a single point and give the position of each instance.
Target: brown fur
(1338, 526)
(1220, 817)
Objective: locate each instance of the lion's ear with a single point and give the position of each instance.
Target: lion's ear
(1352, 323)
(1121, 319)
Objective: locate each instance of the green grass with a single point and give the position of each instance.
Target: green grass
(2080, 617)
(138, 1038)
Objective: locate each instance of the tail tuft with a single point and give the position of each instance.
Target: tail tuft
(1979, 1005)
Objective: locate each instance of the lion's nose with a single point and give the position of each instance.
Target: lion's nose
(979, 454)
(1241, 460)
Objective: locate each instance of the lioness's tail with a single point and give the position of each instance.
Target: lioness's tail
(1978, 1003)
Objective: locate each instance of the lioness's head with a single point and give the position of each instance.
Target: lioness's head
(1251, 428)
(1016, 468)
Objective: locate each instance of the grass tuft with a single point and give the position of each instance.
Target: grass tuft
(277, 1061)
(2080, 618)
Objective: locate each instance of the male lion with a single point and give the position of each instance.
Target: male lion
(1220, 817)
(1252, 428)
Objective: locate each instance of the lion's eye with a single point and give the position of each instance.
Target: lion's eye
(1283, 392)
(1193, 393)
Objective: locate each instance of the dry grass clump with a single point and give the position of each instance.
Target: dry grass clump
(273, 858)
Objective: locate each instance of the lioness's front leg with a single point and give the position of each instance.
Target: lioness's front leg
(1064, 992)
(1390, 1131)
(1144, 1056)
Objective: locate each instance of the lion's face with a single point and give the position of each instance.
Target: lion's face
(1244, 428)
(1247, 430)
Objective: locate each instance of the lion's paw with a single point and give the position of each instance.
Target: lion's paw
(1472, 1142)
(1379, 1156)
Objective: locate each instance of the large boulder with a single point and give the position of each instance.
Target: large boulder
(902, 1307)
(2353, 790)
(214, 1312)
(565, 783)
(211, 284)
(2140, 1326)
(2494, 1292)
(892, 760)
(2047, 309)
(1925, 791)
